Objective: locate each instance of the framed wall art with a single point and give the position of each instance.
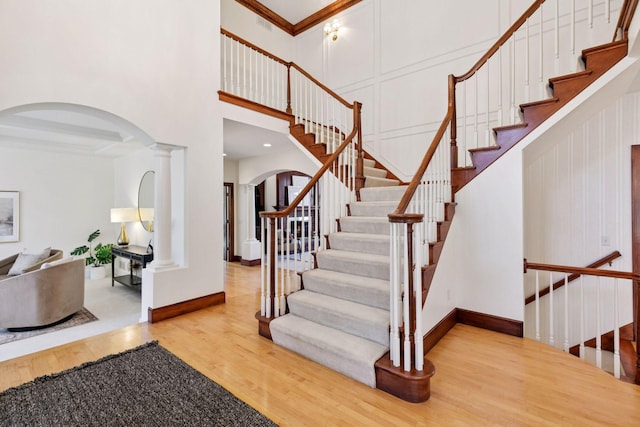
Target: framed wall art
(9, 216)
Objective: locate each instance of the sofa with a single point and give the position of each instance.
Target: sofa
(43, 293)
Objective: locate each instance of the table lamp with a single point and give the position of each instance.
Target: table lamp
(123, 215)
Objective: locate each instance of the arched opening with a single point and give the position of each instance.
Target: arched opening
(71, 164)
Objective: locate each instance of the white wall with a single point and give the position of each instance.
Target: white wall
(154, 63)
(578, 209)
(394, 57)
(63, 198)
(244, 23)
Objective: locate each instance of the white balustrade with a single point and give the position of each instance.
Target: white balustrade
(548, 44)
(591, 306)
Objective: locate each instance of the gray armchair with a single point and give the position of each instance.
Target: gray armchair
(41, 296)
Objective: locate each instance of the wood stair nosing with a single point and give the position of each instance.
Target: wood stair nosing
(597, 61)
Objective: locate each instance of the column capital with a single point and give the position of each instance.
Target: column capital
(160, 146)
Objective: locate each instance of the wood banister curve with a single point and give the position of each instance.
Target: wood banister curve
(581, 271)
(560, 283)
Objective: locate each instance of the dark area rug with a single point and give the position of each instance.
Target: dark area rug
(81, 317)
(145, 386)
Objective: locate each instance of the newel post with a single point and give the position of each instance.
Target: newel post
(289, 110)
(268, 276)
(357, 122)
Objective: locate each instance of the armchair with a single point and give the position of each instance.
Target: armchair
(41, 296)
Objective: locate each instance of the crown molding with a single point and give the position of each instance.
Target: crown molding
(294, 29)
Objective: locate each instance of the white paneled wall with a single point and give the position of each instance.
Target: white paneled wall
(395, 58)
(577, 208)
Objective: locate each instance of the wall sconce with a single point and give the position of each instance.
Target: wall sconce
(331, 29)
(123, 215)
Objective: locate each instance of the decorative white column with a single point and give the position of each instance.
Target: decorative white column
(162, 221)
(251, 246)
(251, 212)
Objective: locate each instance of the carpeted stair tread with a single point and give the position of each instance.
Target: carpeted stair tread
(375, 208)
(386, 194)
(369, 163)
(379, 173)
(373, 181)
(369, 265)
(365, 224)
(360, 242)
(365, 290)
(348, 354)
(351, 317)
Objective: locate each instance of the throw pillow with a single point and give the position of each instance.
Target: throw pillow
(23, 261)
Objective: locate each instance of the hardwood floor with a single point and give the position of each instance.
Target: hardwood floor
(482, 378)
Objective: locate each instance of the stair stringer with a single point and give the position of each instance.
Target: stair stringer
(598, 62)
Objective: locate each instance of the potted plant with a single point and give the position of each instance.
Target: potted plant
(98, 256)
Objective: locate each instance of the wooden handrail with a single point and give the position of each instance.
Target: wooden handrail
(624, 20)
(560, 283)
(313, 181)
(506, 36)
(581, 271)
(323, 87)
(287, 64)
(253, 46)
(417, 177)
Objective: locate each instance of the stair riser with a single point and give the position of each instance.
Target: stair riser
(359, 327)
(380, 173)
(568, 88)
(365, 227)
(380, 194)
(380, 182)
(371, 297)
(360, 369)
(358, 245)
(539, 113)
(363, 268)
(378, 210)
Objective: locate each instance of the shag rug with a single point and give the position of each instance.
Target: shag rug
(144, 386)
(81, 317)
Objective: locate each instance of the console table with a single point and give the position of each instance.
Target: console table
(133, 253)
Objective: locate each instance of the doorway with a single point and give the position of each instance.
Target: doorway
(228, 226)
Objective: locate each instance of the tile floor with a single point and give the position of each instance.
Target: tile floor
(115, 307)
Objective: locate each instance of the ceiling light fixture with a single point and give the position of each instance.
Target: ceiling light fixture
(331, 29)
(266, 145)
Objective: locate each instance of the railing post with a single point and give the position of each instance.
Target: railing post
(412, 298)
(289, 110)
(636, 319)
(454, 122)
(357, 123)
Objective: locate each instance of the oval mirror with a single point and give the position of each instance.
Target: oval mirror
(145, 200)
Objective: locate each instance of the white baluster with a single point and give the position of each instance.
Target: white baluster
(552, 340)
(268, 262)
(598, 327)
(263, 263)
(566, 313)
(417, 280)
(405, 300)
(582, 349)
(616, 331)
(537, 305)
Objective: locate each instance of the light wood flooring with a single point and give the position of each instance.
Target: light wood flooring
(482, 378)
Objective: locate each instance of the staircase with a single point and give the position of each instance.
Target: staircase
(359, 311)
(341, 317)
(597, 60)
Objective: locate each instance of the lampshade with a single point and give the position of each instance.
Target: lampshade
(124, 215)
(146, 214)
